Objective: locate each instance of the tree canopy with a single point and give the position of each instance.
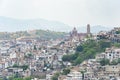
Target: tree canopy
(87, 50)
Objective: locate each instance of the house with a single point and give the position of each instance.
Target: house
(89, 76)
(49, 76)
(74, 75)
(112, 53)
(100, 56)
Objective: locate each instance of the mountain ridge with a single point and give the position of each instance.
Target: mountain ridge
(8, 24)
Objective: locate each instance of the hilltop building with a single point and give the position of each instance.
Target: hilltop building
(80, 36)
(88, 28)
(113, 35)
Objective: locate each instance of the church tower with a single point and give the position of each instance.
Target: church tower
(88, 29)
(74, 32)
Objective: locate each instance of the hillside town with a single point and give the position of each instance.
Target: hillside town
(42, 59)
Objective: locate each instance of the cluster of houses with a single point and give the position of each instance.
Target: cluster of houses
(26, 57)
(113, 35)
(38, 58)
(92, 70)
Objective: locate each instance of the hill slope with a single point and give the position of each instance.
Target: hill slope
(42, 34)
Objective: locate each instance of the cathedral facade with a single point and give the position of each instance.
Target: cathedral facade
(80, 36)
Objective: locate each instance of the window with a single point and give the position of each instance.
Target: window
(109, 54)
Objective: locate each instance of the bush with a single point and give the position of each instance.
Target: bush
(24, 67)
(79, 48)
(66, 71)
(117, 32)
(104, 62)
(119, 60)
(104, 44)
(69, 57)
(55, 77)
(114, 62)
(78, 60)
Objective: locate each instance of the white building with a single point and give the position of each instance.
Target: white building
(74, 75)
(49, 76)
(112, 54)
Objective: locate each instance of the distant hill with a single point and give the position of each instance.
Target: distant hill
(12, 25)
(41, 34)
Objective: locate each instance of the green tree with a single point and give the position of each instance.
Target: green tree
(114, 62)
(15, 65)
(18, 79)
(66, 58)
(35, 48)
(55, 76)
(118, 32)
(27, 78)
(24, 67)
(119, 60)
(79, 48)
(66, 71)
(117, 45)
(104, 62)
(69, 57)
(11, 78)
(104, 44)
(78, 60)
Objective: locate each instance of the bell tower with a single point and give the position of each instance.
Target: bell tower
(74, 32)
(88, 29)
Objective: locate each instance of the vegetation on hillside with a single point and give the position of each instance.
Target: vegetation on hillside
(24, 67)
(34, 34)
(49, 34)
(118, 32)
(104, 62)
(87, 50)
(15, 78)
(55, 76)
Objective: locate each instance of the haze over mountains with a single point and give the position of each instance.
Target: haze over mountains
(12, 25)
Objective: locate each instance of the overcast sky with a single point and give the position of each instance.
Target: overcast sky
(71, 12)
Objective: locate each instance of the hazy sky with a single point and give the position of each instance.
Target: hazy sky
(71, 12)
